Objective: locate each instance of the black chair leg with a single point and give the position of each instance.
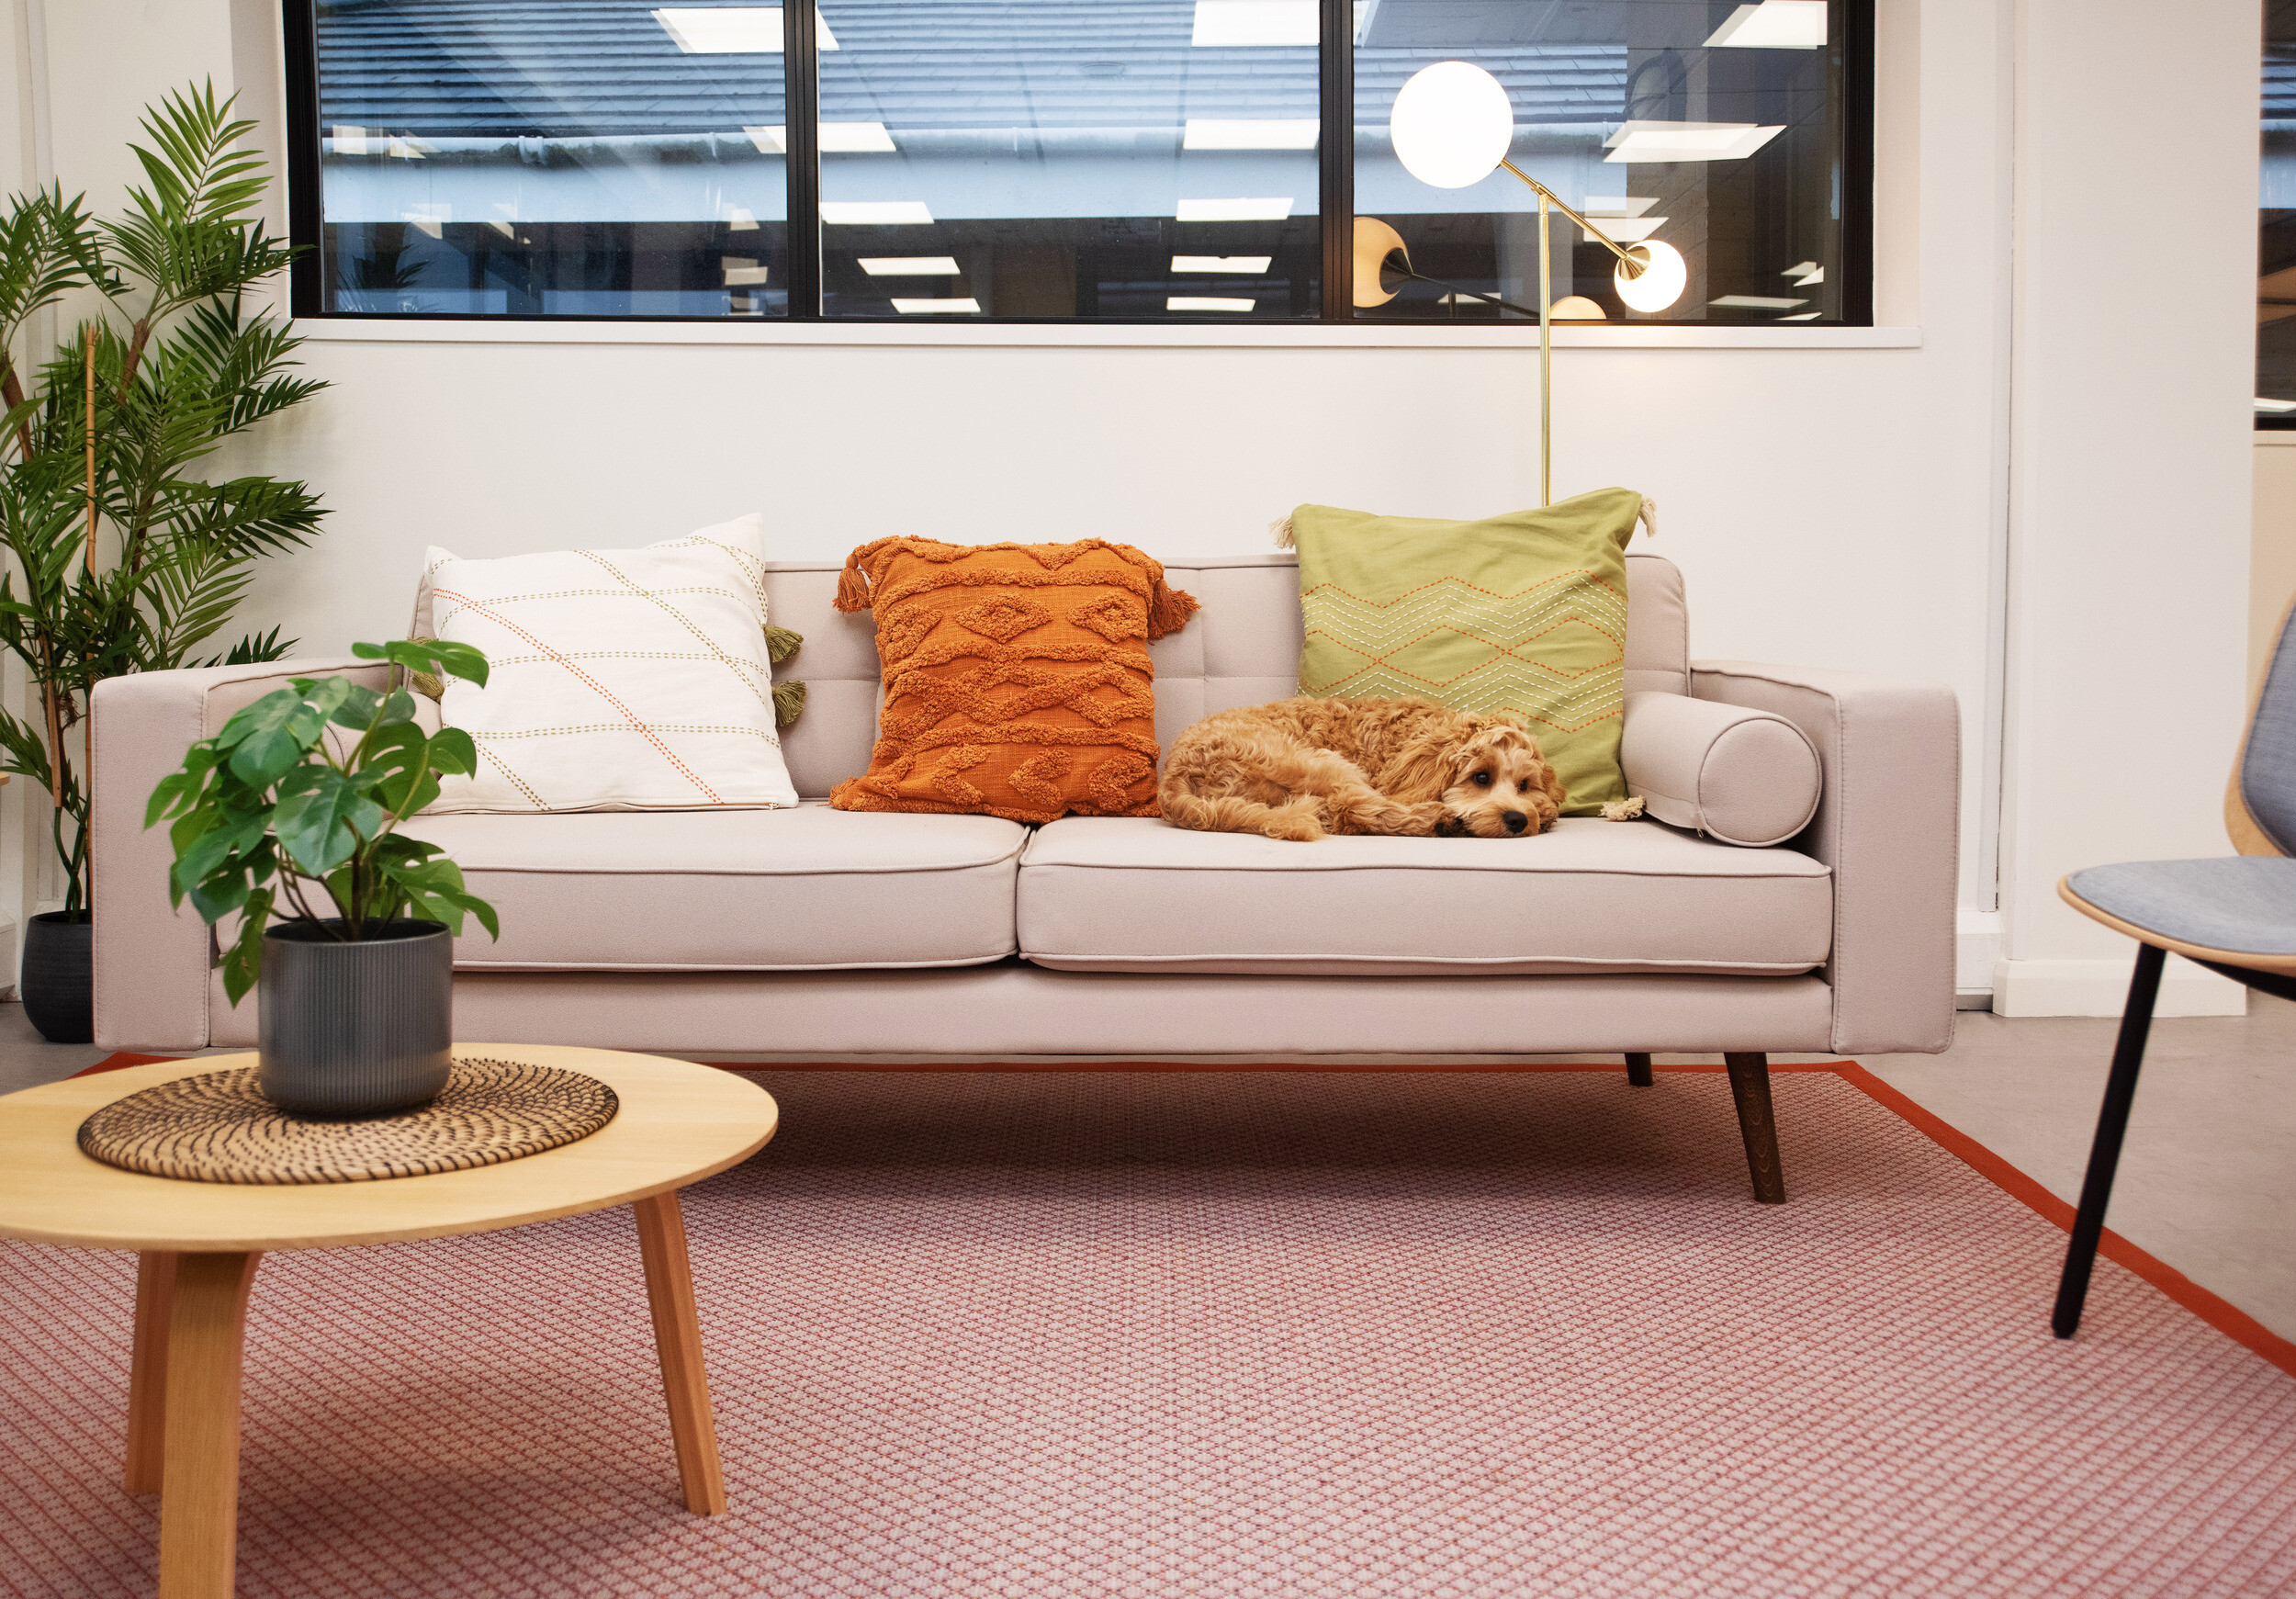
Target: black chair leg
(1638, 1072)
(2112, 1125)
(1749, 1086)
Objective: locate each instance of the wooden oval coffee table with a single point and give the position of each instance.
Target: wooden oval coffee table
(200, 1242)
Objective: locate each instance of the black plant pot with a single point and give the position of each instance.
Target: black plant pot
(58, 979)
(355, 1029)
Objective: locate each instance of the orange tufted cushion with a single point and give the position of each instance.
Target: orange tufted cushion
(1017, 677)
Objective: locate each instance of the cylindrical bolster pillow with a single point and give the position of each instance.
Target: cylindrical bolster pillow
(1742, 776)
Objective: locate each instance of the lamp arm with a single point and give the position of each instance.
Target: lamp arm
(1455, 288)
(1635, 264)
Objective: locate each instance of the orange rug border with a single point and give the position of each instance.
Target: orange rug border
(2226, 1318)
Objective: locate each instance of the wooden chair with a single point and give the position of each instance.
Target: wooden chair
(2234, 915)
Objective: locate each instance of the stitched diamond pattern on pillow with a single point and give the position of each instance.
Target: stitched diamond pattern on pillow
(1016, 677)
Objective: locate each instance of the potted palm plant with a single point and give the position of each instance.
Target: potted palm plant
(277, 815)
(120, 555)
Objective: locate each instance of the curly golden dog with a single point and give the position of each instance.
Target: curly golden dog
(1300, 769)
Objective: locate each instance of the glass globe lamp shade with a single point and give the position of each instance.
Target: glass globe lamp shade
(1451, 125)
(1662, 282)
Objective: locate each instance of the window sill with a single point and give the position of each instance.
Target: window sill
(1121, 335)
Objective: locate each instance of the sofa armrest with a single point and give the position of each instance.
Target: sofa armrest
(1743, 776)
(1888, 823)
(151, 961)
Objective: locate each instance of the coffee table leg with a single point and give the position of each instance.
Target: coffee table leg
(662, 1240)
(199, 1477)
(147, 1369)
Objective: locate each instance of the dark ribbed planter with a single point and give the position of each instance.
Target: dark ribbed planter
(59, 982)
(355, 1029)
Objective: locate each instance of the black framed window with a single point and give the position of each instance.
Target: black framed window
(1723, 130)
(1056, 160)
(2276, 224)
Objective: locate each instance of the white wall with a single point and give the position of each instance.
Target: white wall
(1847, 507)
(2132, 447)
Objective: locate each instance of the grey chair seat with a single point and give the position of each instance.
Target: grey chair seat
(2241, 905)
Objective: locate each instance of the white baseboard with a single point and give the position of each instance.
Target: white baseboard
(1977, 950)
(2102, 988)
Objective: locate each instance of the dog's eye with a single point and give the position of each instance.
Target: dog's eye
(1482, 780)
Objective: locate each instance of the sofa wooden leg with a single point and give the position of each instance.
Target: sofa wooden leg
(1638, 1072)
(1750, 1086)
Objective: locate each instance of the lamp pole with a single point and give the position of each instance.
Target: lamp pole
(1630, 264)
(1451, 126)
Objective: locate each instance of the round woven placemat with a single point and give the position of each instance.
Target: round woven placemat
(218, 1128)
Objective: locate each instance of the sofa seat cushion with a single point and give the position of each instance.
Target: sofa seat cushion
(1111, 894)
(804, 889)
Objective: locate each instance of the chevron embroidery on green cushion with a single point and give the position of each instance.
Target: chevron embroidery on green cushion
(1524, 613)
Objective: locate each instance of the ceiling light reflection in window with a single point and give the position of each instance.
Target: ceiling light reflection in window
(1773, 25)
(1187, 263)
(1256, 22)
(876, 213)
(734, 29)
(1262, 210)
(910, 265)
(1250, 133)
(835, 138)
(1654, 141)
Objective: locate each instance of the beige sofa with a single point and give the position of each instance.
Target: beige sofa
(820, 935)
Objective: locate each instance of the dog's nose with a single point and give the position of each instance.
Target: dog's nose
(1516, 821)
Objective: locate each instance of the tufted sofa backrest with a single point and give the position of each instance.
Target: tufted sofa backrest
(1242, 649)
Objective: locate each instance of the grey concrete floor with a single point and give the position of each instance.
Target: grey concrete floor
(2207, 1183)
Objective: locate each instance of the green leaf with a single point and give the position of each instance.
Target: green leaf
(396, 769)
(451, 750)
(242, 963)
(271, 736)
(434, 890)
(322, 818)
(462, 660)
(358, 708)
(210, 850)
(216, 897)
(393, 849)
(181, 790)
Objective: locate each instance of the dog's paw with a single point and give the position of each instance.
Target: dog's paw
(1423, 821)
(1294, 829)
(1451, 826)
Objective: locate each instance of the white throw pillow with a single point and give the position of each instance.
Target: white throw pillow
(618, 678)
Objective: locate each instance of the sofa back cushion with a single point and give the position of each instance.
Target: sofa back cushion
(1242, 649)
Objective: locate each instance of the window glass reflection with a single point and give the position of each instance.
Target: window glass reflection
(1142, 159)
(2276, 219)
(1715, 128)
(551, 158)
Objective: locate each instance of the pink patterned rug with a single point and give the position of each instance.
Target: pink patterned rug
(1234, 1334)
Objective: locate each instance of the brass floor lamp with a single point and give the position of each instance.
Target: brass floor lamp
(1452, 126)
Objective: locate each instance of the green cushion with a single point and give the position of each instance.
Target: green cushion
(1524, 612)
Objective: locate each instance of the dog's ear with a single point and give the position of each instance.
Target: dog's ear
(1422, 771)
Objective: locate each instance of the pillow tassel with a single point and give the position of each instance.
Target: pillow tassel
(852, 585)
(1280, 529)
(1168, 608)
(781, 643)
(789, 703)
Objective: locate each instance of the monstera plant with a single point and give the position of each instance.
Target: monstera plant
(293, 810)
